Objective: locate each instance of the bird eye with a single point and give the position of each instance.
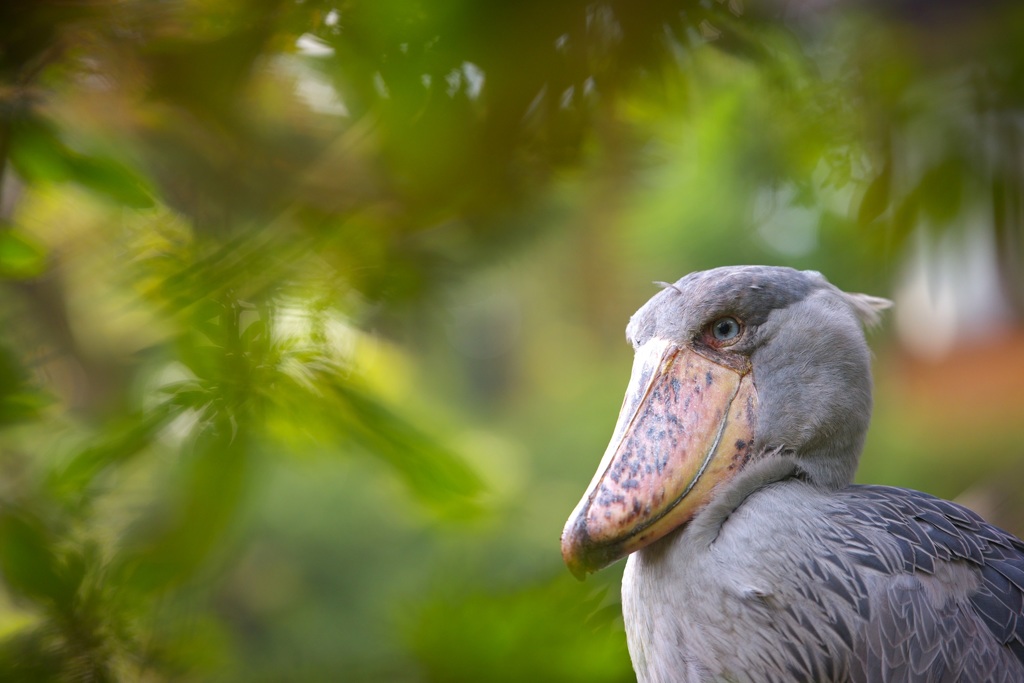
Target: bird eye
(725, 329)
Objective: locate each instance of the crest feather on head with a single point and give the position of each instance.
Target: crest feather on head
(868, 308)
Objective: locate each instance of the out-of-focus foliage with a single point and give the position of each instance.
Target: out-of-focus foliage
(311, 310)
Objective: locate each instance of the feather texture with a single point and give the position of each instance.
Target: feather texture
(868, 583)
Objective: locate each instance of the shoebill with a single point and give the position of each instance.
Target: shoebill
(727, 482)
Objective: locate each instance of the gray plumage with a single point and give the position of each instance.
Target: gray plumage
(790, 573)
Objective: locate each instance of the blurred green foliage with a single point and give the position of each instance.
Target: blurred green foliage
(311, 309)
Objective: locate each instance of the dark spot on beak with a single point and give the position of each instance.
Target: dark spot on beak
(707, 378)
(606, 498)
(741, 444)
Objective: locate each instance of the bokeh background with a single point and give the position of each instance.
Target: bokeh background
(311, 311)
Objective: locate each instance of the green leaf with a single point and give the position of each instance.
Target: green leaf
(121, 441)
(171, 549)
(20, 257)
(111, 179)
(19, 401)
(27, 558)
(205, 361)
(30, 655)
(435, 474)
(876, 197)
(39, 155)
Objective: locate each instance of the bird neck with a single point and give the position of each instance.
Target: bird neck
(831, 462)
(704, 528)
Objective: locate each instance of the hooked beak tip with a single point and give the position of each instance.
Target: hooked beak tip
(571, 555)
(574, 546)
(581, 555)
(578, 573)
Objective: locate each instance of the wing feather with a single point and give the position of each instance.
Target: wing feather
(911, 634)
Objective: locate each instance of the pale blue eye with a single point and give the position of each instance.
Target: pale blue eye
(725, 329)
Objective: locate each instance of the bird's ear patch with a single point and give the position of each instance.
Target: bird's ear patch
(868, 308)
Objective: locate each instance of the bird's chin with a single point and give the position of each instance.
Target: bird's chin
(686, 425)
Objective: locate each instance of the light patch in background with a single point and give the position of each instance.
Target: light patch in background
(784, 225)
(311, 87)
(297, 325)
(320, 97)
(380, 85)
(475, 78)
(311, 46)
(566, 100)
(183, 426)
(468, 76)
(454, 80)
(949, 292)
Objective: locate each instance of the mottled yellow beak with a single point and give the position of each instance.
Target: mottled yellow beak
(686, 425)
